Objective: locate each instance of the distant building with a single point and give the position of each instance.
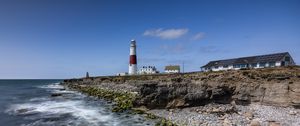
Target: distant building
(122, 74)
(148, 70)
(261, 61)
(172, 69)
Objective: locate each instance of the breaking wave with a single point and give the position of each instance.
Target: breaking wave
(49, 110)
(70, 109)
(52, 86)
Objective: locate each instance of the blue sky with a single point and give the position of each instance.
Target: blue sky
(66, 38)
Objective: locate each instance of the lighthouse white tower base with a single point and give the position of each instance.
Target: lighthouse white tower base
(132, 59)
(132, 69)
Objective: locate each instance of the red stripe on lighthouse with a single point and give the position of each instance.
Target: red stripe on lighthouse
(132, 59)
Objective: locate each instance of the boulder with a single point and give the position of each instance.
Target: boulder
(277, 93)
(294, 94)
(176, 103)
(56, 94)
(249, 115)
(274, 123)
(255, 122)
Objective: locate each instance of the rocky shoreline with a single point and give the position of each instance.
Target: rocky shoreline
(244, 97)
(218, 115)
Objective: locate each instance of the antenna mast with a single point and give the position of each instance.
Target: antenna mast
(182, 66)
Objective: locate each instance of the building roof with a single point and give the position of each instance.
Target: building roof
(172, 67)
(248, 60)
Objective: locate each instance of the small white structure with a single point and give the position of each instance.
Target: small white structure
(148, 70)
(122, 74)
(261, 61)
(172, 69)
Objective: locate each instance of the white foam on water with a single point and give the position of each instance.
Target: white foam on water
(63, 91)
(38, 99)
(91, 115)
(52, 86)
(57, 88)
(79, 113)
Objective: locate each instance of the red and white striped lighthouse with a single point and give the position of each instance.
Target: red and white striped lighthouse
(132, 59)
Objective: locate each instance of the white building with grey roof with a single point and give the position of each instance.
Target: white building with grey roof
(260, 61)
(148, 70)
(172, 69)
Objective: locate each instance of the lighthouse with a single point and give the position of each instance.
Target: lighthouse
(132, 59)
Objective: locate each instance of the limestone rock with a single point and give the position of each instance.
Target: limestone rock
(249, 115)
(255, 122)
(227, 122)
(292, 112)
(272, 86)
(273, 123)
(176, 103)
(277, 93)
(294, 94)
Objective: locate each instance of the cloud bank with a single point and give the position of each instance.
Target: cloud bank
(166, 33)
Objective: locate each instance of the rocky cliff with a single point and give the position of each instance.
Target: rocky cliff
(270, 86)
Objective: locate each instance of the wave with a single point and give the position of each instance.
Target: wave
(38, 99)
(53, 109)
(52, 86)
(64, 91)
(72, 109)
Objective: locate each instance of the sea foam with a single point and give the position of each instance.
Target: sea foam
(77, 109)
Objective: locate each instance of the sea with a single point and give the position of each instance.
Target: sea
(29, 103)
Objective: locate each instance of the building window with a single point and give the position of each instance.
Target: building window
(216, 67)
(262, 64)
(236, 66)
(287, 59)
(271, 64)
(254, 65)
(225, 66)
(243, 65)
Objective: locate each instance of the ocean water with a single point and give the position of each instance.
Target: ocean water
(29, 103)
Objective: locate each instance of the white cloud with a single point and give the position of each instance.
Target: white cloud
(166, 33)
(199, 36)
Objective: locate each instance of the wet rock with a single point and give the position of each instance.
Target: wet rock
(51, 119)
(56, 94)
(22, 110)
(140, 110)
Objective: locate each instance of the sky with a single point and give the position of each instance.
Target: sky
(47, 39)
